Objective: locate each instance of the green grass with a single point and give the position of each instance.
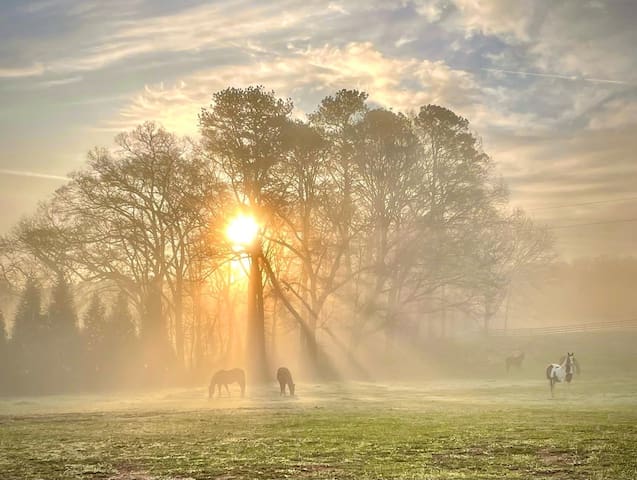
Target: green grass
(462, 429)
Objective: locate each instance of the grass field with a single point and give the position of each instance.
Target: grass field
(500, 428)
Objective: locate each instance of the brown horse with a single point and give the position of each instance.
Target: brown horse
(284, 377)
(225, 377)
(514, 360)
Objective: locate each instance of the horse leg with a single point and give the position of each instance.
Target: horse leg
(551, 382)
(227, 390)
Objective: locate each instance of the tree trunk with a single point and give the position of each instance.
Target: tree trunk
(256, 361)
(391, 316)
(179, 322)
(488, 306)
(154, 333)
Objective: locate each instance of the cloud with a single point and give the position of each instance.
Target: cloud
(205, 27)
(60, 81)
(572, 37)
(553, 75)
(404, 41)
(18, 72)
(550, 86)
(337, 7)
(615, 114)
(21, 173)
(404, 84)
(200, 28)
(432, 10)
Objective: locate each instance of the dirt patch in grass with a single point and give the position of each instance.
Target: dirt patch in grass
(145, 476)
(312, 469)
(551, 457)
(131, 476)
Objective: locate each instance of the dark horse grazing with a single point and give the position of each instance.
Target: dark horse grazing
(514, 360)
(284, 377)
(558, 373)
(224, 377)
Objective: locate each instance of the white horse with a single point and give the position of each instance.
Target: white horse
(558, 373)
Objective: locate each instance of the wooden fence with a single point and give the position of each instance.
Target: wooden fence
(615, 325)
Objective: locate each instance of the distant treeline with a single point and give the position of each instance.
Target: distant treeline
(374, 224)
(49, 353)
(584, 291)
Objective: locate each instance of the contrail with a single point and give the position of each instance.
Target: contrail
(20, 173)
(553, 75)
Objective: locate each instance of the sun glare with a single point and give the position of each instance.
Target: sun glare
(242, 230)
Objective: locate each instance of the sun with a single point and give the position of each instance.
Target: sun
(242, 230)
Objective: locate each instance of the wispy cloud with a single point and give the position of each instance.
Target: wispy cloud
(404, 41)
(576, 78)
(550, 86)
(60, 81)
(404, 84)
(18, 72)
(337, 7)
(197, 29)
(22, 173)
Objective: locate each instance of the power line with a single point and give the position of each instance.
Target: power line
(607, 222)
(548, 207)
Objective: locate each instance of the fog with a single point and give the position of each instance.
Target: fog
(359, 244)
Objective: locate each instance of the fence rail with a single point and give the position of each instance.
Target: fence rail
(616, 325)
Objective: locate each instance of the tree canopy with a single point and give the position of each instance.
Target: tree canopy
(372, 224)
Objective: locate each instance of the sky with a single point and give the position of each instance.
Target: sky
(550, 86)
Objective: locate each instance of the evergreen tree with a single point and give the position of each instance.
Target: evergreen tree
(29, 346)
(64, 335)
(122, 330)
(95, 341)
(122, 341)
(28, 324)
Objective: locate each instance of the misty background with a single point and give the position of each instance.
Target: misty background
(370, 243)
(438, 185)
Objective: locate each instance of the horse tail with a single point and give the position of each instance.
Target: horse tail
(549, 371)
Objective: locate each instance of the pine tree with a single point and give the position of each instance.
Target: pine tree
(64, 335)
(62, 317)
(95, 341)
(28, 325)
(121, 323)
(29, 348)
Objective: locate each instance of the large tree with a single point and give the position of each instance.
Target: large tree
(386, 159)
(243, 133)
(378, 220)
(134, 220)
